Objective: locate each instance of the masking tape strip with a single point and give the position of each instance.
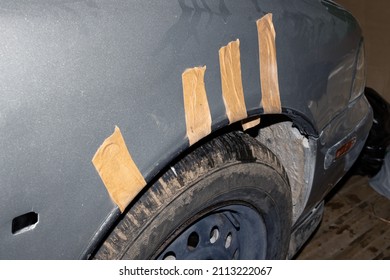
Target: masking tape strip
(268, 65)
(232, 91)
(117, 170)
(196, 106)
(249, 123)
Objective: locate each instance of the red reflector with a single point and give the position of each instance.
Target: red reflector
(345, 148)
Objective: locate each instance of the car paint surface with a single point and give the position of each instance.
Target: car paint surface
(72, 70)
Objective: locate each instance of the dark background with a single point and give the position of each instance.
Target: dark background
(374, 18)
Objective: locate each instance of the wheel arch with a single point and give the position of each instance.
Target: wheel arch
(296, 126)
(179, 173)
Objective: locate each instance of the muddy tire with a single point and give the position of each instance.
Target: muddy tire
(227, 199)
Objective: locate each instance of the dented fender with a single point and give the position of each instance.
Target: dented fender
(73, 70)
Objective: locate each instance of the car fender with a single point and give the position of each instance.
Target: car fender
(72, 71)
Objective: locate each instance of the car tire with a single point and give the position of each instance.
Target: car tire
(227, 199)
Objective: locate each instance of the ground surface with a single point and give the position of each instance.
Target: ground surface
(356, 225)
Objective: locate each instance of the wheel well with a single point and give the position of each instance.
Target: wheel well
(231, 169)
(296, 152)
(287, 139)
(278, 133)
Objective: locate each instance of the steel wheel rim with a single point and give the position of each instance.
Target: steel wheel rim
(231, 232)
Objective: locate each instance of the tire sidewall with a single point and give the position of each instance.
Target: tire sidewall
(252, 184)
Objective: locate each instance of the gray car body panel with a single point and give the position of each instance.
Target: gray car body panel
(72, 70)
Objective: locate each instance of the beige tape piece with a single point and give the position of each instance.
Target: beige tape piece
(268, 65)
(196, 106)
(117, 170)
(232, 91)
(249, 123)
